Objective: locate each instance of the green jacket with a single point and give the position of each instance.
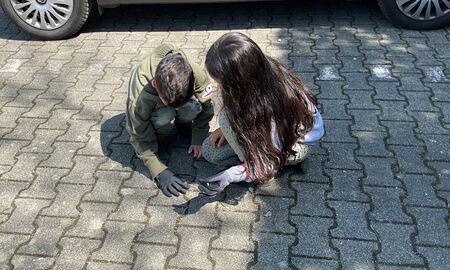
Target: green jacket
(143, 100)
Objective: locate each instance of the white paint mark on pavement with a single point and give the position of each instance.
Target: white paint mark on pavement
(329, 74)
(435, 74)
(381, 72)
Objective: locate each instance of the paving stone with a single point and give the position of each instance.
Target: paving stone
(132, 205)
(440, 91)
(341, 156)
(396, 247)
(9, 116)
(436, 146)
(356, 254)
(120, 158)
(24, 129)
(428, 123)
(334, 110)
(313, 237)
(409, 159)
(140, 178)
(43, 186)
(67, 200)
(361, 100)
(371, 144)
(181, 163)
(443, 174)
(393, 110)
(160, 228)
(366, 120)
(200, 211)
(193, 248)
(152, 256)
(24, 168)
(45, 239)
(234, 231)
(118, 242)
(345, 185)
(42, 108)
(337, 131)
(445, 109)
(8, 245)
(74, 253)
(62, 156)
(72, 101)
(77, 131)
(91, 110)
(387, 204)
(22, 218)
(23, 100)
(352, 64)
(107, 187)
(274, 215)
(420, 190)
(31, 262)
(42, 141)
(432, 225)
(225, 259)
(239, 198)
(419, 101)
(309, 263)
(392, 267)
(279, 187)
(401, 133)
(83, 171)
(351, 221)
(387, 91)
(273, 250)
(107, 266)
(59, 119)
(331, 89)
(91, 220)
(311, 200)
(438, 258)
(314, 165)
(8, 192)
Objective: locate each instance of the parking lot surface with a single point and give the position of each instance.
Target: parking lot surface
(373, 195)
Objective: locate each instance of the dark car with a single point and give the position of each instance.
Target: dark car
(57, 19)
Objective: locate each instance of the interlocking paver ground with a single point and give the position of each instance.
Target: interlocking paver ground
(373, 195)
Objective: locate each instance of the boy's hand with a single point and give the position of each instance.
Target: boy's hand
(169, 184)
(217, 139)
(196, 150)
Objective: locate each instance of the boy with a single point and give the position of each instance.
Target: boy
(167, 86)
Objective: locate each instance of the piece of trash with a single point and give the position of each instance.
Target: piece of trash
(268, 214)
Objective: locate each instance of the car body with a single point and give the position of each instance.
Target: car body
(58, 19)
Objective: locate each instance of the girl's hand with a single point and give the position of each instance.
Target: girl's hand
(217, 139)
(196, 150)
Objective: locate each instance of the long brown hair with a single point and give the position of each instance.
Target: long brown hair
(258, 91)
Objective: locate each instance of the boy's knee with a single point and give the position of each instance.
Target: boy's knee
(189, 111)
(162, 117)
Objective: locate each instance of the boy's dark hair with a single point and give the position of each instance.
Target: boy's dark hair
(175, 80)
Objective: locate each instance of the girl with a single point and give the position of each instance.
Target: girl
(268, 119)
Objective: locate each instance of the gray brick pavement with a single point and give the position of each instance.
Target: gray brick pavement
(375, 193)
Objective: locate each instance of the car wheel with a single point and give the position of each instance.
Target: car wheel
(49, 19)
(417, 14)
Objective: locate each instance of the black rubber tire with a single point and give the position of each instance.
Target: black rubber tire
(395, 15)
(81, 11)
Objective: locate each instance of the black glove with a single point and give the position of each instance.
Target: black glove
(169, 184)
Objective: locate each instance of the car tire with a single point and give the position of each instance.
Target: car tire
(397, 12)
(80, 11)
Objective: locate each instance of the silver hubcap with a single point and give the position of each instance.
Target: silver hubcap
(424, 9)
(44, 14)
